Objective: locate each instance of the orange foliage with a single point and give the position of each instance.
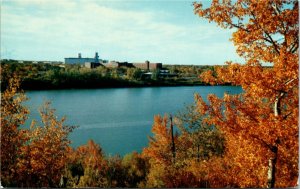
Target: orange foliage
(167, 170)
(91, 154)
(88, 166)
(13, 114)
(160, 145)
(44, 155)
(159, 153)
(32, 157)
(262, 123)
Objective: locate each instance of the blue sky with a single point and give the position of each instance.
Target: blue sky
(131, 30)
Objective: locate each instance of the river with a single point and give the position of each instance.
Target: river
(119, 119)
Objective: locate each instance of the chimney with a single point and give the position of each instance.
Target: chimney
(147, 64)
(79, 55)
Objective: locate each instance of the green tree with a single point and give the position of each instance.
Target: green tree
(155, 75)
(136, 168)
(204, 140)
(133, 73)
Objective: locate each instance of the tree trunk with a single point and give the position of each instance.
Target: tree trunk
(277, 110)
(274, 149)
(272, 170)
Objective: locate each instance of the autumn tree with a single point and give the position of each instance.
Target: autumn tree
(202, 144)
(35, 156)
(13, 115)
(87, 166)
(265, 116)
(175, 145)
(159, 152)
(204, 140)
(136, 169)
(44, 155)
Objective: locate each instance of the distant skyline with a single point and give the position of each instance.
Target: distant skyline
(159, 31)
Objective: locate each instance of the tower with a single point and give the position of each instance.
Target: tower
(147, 64)
(96, 57)
(79, 55)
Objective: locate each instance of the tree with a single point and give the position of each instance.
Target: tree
(35, 156)
(115, 173)
(136, 168)
(203, 146)
(13, 115)
(265, 116)
(87, 163)
(44, 155)
(133, 73)
(204, 140)
(170, 156)
(155, 75)
(159, 152)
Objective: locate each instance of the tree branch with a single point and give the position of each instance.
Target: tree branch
(239, 27)
(269, 38)
(270, 147)
(287, 115)
(295, 46)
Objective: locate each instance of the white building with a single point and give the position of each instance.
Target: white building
(80, 60)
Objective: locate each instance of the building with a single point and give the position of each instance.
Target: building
(113, 64)
(96, 62)
(144, 66)
(92, 65)
(80, 60)
(148, 66)
(116, 64)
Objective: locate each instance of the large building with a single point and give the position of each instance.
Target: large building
(80, 60)
(148, 66)
(96, 62)
(144, 66)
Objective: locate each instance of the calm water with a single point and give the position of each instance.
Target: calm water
(118, 119)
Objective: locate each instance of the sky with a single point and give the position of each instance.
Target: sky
(165, 31)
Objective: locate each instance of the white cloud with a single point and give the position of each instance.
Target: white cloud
(73, 26)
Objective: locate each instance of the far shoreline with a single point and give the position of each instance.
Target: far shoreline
(121, 87)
